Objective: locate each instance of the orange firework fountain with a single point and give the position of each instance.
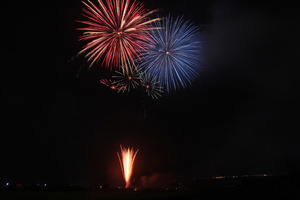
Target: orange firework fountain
(126, 161)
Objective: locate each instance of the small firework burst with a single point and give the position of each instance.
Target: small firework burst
(112, 84)
(128, 81)
(151, 85)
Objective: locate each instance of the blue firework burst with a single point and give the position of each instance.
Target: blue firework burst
(172, 55)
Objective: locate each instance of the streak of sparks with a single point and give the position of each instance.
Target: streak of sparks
(126, 160)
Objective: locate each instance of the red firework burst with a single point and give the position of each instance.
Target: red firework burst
(115, 31)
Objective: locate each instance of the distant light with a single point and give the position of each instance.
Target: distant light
(100, 186)
(113, 87)
(7, 184)
(45, 185)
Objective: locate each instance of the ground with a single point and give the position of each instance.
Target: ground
(147, 195)
(275, 188)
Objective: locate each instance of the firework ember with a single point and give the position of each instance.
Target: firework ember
(126, 159)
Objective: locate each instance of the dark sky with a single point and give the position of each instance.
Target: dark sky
(241, 116)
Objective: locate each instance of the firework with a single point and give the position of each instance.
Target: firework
(151, 85)
(128, 80)
(126, 159)
(116, 31)
(173, 53)
(112, 84)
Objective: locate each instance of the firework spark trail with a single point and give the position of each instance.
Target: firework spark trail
(173, 53)
(116, 31)
(126, 161)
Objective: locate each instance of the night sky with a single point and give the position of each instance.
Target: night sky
(241, 116)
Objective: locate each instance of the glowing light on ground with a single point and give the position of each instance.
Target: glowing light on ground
(126, 159)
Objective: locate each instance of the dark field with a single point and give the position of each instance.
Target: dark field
(93, 195)
(166, 195)
(285, 188)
